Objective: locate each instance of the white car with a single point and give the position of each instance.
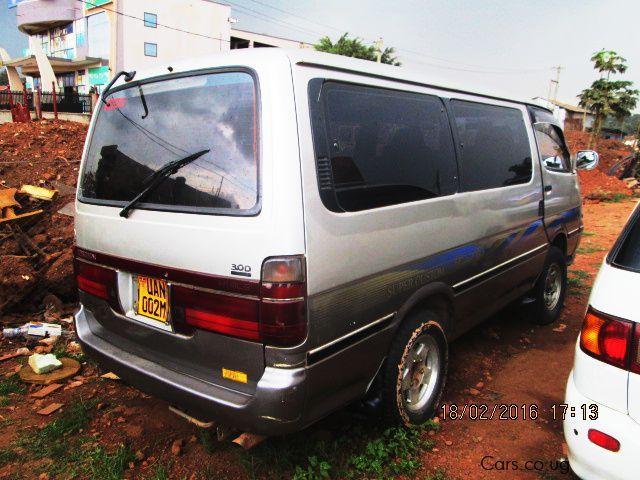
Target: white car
(602, 405)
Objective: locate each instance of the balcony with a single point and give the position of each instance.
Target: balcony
(34, 16)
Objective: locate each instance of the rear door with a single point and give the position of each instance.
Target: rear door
(560, 184)
(202, 235)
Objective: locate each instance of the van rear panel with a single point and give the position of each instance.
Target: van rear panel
(184, 267)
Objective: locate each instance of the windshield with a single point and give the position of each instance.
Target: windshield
(144, 127)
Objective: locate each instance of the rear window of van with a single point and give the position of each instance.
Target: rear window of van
(148, 124)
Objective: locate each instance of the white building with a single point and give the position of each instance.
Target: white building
(80, 45)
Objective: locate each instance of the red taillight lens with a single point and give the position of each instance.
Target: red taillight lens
(234, 316)
(603, 440)
(606, 338)
(283, 320)
(98, 281)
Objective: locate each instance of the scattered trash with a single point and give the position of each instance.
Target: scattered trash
(560, 328)
(36, 329)
(44, 363)
(69, 210)
(43, 392)
(110, 376)
(49, 409)
(15, 332)
(40, 193)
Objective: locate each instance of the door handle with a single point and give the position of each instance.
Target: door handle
(548, 188)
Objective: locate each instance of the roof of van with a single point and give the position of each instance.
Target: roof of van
(313, 58)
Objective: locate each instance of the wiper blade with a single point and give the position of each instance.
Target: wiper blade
(158, 177)
(128, 76)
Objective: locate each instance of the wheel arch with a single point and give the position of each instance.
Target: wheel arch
(436, 296)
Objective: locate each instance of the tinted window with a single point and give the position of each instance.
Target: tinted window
(553, 152)
(627, 250)
(494, 145)
(144, 127)
(383, 147)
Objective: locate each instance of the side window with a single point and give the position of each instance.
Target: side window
(553, 151)
(378, 147)
(494, 144)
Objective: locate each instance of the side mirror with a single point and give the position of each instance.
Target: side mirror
(587, 160)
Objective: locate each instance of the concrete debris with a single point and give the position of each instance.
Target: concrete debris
(44, 363)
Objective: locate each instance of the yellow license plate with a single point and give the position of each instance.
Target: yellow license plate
(153, 299)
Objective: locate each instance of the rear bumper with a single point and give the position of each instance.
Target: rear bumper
(275, 408)
(589, 461)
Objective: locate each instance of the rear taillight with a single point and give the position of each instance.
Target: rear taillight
(98, 281)
(606, 338)
(226, 314)
(283, 321)
(603, 440)
(277, 317)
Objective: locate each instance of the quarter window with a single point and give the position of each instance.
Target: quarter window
(150, 20)
(553, 151)
(494, 144)
(378, 147)
(151, 49)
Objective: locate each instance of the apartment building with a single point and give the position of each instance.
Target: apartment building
(80, 44)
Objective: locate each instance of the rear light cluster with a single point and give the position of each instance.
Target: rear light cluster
(603, 440)
(611, 340)
(276, 317)
(97, 280)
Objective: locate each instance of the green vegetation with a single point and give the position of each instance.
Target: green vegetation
(353, 452)
(590, 249)
(588, 234)
(576, 281)
(606, 97)
(162, 473)
(354, 47)
(109, 466)
(609, 197)
(438, 475)
(9, 386)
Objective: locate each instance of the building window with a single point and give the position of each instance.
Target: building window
(151, 49)
(98, 35)
(150, 20)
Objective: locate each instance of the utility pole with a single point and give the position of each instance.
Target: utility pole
(558, 69)
(378, 45)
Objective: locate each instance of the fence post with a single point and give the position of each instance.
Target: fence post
(13, 114)
(55, 103)
(38, 103)
(25, 103)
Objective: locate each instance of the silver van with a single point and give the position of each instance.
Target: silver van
(264, 236)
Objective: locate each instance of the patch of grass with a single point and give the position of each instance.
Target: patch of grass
(590, 249)
(110, 466)
(61, 351)
(439, 474)
(6, 456)
(609, 197)
(588, 234)
(11, 385)
(51, 441)
(576, 281)
(161, 473)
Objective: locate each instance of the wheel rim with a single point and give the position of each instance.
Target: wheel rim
(420, 373)
(552, 287)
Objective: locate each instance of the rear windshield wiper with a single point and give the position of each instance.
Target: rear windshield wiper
(158, 177)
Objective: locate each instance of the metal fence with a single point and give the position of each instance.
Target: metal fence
(69, 102)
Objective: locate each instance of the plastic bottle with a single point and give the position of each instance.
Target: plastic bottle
(15, 332)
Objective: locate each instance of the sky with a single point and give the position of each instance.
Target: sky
(507, 46)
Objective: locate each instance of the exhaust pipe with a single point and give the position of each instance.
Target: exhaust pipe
(190, 419)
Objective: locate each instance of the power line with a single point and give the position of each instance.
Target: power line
(158, 24)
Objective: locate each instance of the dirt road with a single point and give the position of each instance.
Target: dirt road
(109, 430)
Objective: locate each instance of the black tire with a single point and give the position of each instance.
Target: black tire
(421, 328)
(543, 310)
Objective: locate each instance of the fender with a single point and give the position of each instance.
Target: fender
(423, 294)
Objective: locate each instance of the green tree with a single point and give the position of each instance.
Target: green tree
(4, 78)
(354, 47)
(606, 97)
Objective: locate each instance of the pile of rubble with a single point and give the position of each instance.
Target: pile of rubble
(38, 171)
(596, 184)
